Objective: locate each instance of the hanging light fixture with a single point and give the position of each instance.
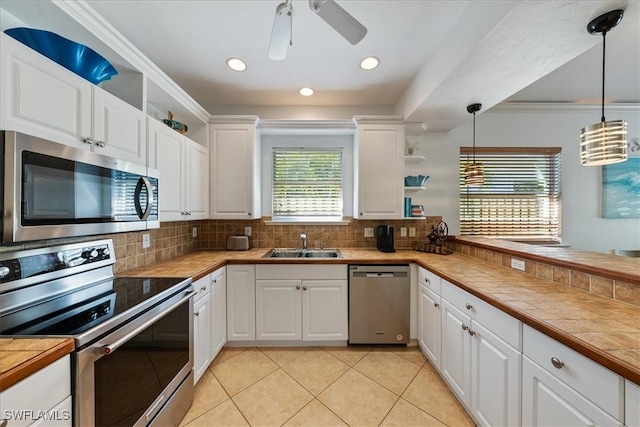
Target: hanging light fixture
(604, 143)
(474, 172)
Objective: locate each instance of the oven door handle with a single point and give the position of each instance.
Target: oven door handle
(110, 348)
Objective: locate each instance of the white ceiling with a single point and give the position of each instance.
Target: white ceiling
(436, 56)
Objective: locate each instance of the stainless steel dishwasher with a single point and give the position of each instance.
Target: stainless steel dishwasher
(379, 304)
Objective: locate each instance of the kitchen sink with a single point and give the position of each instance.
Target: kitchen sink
(303, 253)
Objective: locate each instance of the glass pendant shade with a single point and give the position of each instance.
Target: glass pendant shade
(603, 143)
(474, 174)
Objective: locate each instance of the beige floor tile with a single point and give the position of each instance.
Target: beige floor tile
(208, 394)
(316, 370)
(404, 414)
(228, 352)
(428, 392)
(272, 400)
(349, 355)
(239, 372)
(313, 415)
(283, 355)
(358, 400)
(224, 415)
(412, 354)
(388, 370)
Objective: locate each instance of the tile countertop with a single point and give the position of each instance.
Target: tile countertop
(602, 329)
(21, 357)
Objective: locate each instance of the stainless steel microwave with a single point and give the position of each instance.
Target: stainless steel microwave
(53, 190)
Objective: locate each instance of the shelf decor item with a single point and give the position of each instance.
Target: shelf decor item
(174, 124)
(415, 181)
(604, 143)
(73, 56)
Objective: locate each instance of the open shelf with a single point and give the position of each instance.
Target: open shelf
(414, 188)
(414, 159)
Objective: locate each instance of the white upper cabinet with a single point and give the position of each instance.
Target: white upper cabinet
(235, 169)
(379, 169)
(42, 98)
(184, 173)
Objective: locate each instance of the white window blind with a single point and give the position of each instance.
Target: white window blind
(520, 199)
(307, 182)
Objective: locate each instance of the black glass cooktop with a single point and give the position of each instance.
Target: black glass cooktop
(87, 308)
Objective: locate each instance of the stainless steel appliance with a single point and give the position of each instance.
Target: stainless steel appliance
(133, 358)
(379, 304)
(384, 236)
(52, 190)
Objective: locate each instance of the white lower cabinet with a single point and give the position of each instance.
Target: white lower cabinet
(201, 327)
(43, 398)
(306, 302)
(241, 302)
(632, 404)
(482, 368)
(218, 311)
(429, 324)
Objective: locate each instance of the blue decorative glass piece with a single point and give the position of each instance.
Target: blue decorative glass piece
(73, 56)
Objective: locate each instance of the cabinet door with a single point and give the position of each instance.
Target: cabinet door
(495, 379)
(429, 325)
(547, 401)
(380, 172)
(166, 154)
(234, 172)
(218, 311)
(325, 310)
(456, 351)
(632, 404)
(121, 127)
(201, 336)
(42, 98)
(278, 310)
(197, 180)
(241, 303)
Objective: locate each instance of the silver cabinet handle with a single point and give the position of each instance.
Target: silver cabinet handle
(557, 363)
(101, 143)
(464, 327)
(215, 280)
(88, 140)
(297, 286)
(436, 305)
(304, 288)
(472, 332)
(110, 348)
(204, 288)
(197, 313)
(427, 281)
(469, 306)
(249, 213)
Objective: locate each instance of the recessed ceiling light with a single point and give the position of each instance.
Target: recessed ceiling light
(369, 63)
(236, 64)
(306, 91)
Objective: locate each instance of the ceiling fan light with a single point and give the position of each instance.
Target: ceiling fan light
(369, 63)
(236, 64)
(306, 91)
(603, 143)
(474, 174)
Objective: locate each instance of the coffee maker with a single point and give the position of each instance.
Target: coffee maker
(385, 238)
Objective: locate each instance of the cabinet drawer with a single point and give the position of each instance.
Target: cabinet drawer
(429, 280)
(301, 272)
(596, 383)
(500, 323)
(41, 391)
(202, 286)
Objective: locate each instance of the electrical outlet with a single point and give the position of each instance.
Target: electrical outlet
(195, 232)
(412, 232)
(146, 286)
(518, 264)
(247, 231)
(146, 240)
(368, 232)
(403, 231)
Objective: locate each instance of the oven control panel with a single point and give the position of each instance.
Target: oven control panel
(27, 264)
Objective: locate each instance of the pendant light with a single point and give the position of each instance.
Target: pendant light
(474, 172)
(604, 143)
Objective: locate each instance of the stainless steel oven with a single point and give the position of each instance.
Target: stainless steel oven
(133, 361)
(52, 190)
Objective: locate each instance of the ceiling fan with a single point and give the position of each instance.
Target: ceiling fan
(331, 12)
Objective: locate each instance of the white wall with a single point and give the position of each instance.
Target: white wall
(536, 125)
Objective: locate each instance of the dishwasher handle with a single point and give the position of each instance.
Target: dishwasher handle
(380, 275)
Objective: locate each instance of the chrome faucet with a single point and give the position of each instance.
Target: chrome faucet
(303, 237)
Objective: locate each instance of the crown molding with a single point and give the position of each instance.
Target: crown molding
(234, 119)
(86, 16)
(396, 120)
(537, 107)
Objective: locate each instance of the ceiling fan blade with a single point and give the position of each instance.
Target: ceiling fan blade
(281, 33)
(341, 21)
